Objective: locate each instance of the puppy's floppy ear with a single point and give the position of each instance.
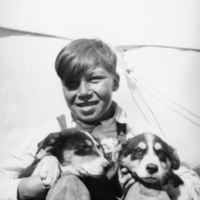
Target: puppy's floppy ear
(172, 178)
(174, 158)
(123, 147)
(124, 143)
(49, 142)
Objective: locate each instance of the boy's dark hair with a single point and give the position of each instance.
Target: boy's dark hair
(82, 55)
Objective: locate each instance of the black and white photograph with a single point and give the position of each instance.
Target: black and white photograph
(99, 100)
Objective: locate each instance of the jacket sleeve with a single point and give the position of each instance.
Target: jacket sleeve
(20, 159)
(191, 182)
(9, 171)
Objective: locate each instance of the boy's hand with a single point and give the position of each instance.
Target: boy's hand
(125, 178)
(49, 170)
(31, 187)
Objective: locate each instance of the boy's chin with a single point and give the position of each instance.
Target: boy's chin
(90, 121)
(87, 119)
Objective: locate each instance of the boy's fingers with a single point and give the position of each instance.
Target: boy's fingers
(125, 178)
(131, 182)
(49, 175)
(50, 179)
(43, 175)
(124, 170)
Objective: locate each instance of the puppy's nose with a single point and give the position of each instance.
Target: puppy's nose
(152, 168)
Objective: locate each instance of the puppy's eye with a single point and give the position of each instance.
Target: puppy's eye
(161, 152)
(138, 150)
(137, 153)
(83, 146)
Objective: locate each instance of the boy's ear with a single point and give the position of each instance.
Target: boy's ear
(116, 82)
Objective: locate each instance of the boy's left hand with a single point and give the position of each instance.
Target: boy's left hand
(125, 178)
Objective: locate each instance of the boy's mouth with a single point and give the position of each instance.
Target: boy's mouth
(85, 104)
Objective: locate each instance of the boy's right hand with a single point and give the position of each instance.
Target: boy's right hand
(31, 187)
(45, 175)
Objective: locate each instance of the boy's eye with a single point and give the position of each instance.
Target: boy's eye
(95, 79)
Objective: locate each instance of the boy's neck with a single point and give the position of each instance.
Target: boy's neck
(108, 115)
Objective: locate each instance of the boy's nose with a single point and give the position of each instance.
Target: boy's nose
(84, 88)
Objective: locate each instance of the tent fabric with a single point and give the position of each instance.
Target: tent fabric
(30, 91)
(158, 85)
(128, 22)
(164, 84)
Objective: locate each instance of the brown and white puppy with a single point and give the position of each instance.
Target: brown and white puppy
(151, 161)
(73, 148)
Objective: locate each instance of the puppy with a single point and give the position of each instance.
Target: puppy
(73, 148)
(151, 162)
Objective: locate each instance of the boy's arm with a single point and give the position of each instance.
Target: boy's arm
(20, 159)
(9, 171)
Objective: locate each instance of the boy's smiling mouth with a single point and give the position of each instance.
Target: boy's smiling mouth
(86, 104)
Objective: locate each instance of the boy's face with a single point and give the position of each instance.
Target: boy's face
(89, 97)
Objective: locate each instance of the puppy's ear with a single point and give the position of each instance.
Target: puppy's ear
(174, 158)
(124, 143)
(49, 142)
(173, 179)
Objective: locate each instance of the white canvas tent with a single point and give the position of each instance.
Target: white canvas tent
(159, 70)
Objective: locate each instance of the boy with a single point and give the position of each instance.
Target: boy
(87, 69)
